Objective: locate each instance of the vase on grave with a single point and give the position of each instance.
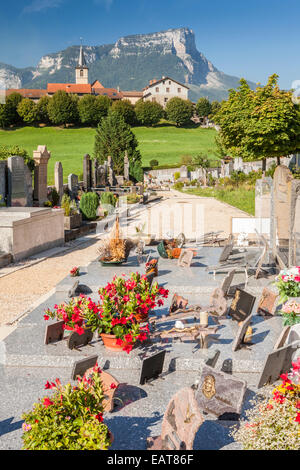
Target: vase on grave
(112, 343)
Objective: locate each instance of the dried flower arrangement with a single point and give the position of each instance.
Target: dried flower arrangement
(113, 248)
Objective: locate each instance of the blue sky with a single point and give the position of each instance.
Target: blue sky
(250, 39)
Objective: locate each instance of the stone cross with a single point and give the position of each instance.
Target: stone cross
(58, 179)
(41, 157)
(16, 182)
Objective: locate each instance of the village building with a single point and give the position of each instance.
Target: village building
(164, 89)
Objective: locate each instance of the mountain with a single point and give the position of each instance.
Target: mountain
(130, 63)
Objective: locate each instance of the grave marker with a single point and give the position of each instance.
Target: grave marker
(76, 341)
(152, 367)
(220, 394)
(80, 367)
(181, 422)
(73, 185)
(282, 337)
(58, 179)
(241, 305)
(54, 332)
(3, 170)
(17, 196)
(277, 363)
(267, 302)
(41, 157)
(226, 283)
(185, 258)
(240, 336)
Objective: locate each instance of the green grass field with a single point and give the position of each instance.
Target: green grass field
(241, 198)
(165, 143)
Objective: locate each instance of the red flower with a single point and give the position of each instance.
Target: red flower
(119, 341)
(99, 417)
(79, 330)
(298, 418)
(112, 386)
(160, 302)
(46, 317)
(127, 348)
(47, 402)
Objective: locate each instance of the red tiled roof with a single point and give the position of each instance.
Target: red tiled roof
(132, 93)
(110, 92)
(27, 92)
(69, 88)
(97, 84)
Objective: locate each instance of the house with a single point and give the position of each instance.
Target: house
(132, 96)
(164, 89)
(33, 95)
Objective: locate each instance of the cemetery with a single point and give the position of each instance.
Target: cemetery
(170, 334)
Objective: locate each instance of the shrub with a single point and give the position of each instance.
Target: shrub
(69, 419)
(126, 110)
(10, 151)
(53, 197)
(176, 175)
(148, 113)
(179, 111)
(178, 186)
(153, 163)
(68, 206)
(89, 203)
(108, 201)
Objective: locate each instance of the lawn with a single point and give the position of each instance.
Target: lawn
(241, 198)
(165, 143)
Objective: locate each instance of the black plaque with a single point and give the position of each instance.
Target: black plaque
(152, 367)
(278, 362)
(241, 305)
(75, 340)
(54, 332)
(80, 367)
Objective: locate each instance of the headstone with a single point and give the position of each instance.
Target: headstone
(80, 367)
(240, 336)
(294, 334)
(241, 305)
(185, 258)
(218, 303)
(73, 185)
(95, 173)
(126, 166)
(111, 174)
(59, 179)
(102, 175)
(226, 283)
(152, 367)
(220, 394)
(73, 291)
(41, 157)
(277, 363)
(3, 189)
(54, 332)
(181, 422)
(28, 187)
(120, 180)
(177, 303)
(268, 302)
(17, 196)
(87, 176)
(282, 337)
(76, 340)
(226, 252)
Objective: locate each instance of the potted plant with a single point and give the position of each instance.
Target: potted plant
(74, 272)
(273, 423)
(124, 304)
(73, 218)
(71, 418)
(291, 312)
(288, 283)
(74, 313)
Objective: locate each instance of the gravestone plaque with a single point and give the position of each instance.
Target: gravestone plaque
(41, 158)
(227, 282)
(267, 302)
(80, 367)
(282, 337)
(227, 250)
(218, 303)
(152, 367)
(73, 291)
(177, 303)
(58, 179)
(240, 336)
(87, 173)
(54, 332)
(73, 185)
(3, 166)
(220, 394)
(17, 196)
(241, 305)
(181, 422)
(185, 258)
(277, 363)
(76, 340)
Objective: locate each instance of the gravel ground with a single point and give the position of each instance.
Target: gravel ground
(19, 290)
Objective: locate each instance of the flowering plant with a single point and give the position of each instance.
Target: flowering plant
(274, 423)
(121, 302)
(69, 419)
(291, 312)
(74, 272)
(74, 313)
(288, 283)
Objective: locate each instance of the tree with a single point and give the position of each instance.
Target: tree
(11, 105)
(201, 160)
(42, 109)
(126, 110)
(113, 138)
(215, 107)
(92, 109)
(259, 124)
(148, 113)
(4, 116)
(203, 107)
(179, 111)
(27, 110)
(63, 108)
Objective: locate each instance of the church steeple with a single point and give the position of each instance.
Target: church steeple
(82, 70)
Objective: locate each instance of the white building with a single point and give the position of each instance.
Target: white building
(164, 89)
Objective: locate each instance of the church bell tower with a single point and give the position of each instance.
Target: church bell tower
(82, 70)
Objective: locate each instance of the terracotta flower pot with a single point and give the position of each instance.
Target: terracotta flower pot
(110, 342)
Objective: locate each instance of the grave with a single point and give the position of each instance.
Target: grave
(241, 305)
(58, 180)
(277, 363)
(3, 184)
(41, 157)
(73, 185)
(16, 196)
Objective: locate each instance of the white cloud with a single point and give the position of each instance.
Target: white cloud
(40, 5)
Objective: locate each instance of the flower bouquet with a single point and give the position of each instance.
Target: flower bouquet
(74, 272)
(274, 423)
(291, 312)
(124, 304)
(288, 283)
(71, 418)
(74, 313)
